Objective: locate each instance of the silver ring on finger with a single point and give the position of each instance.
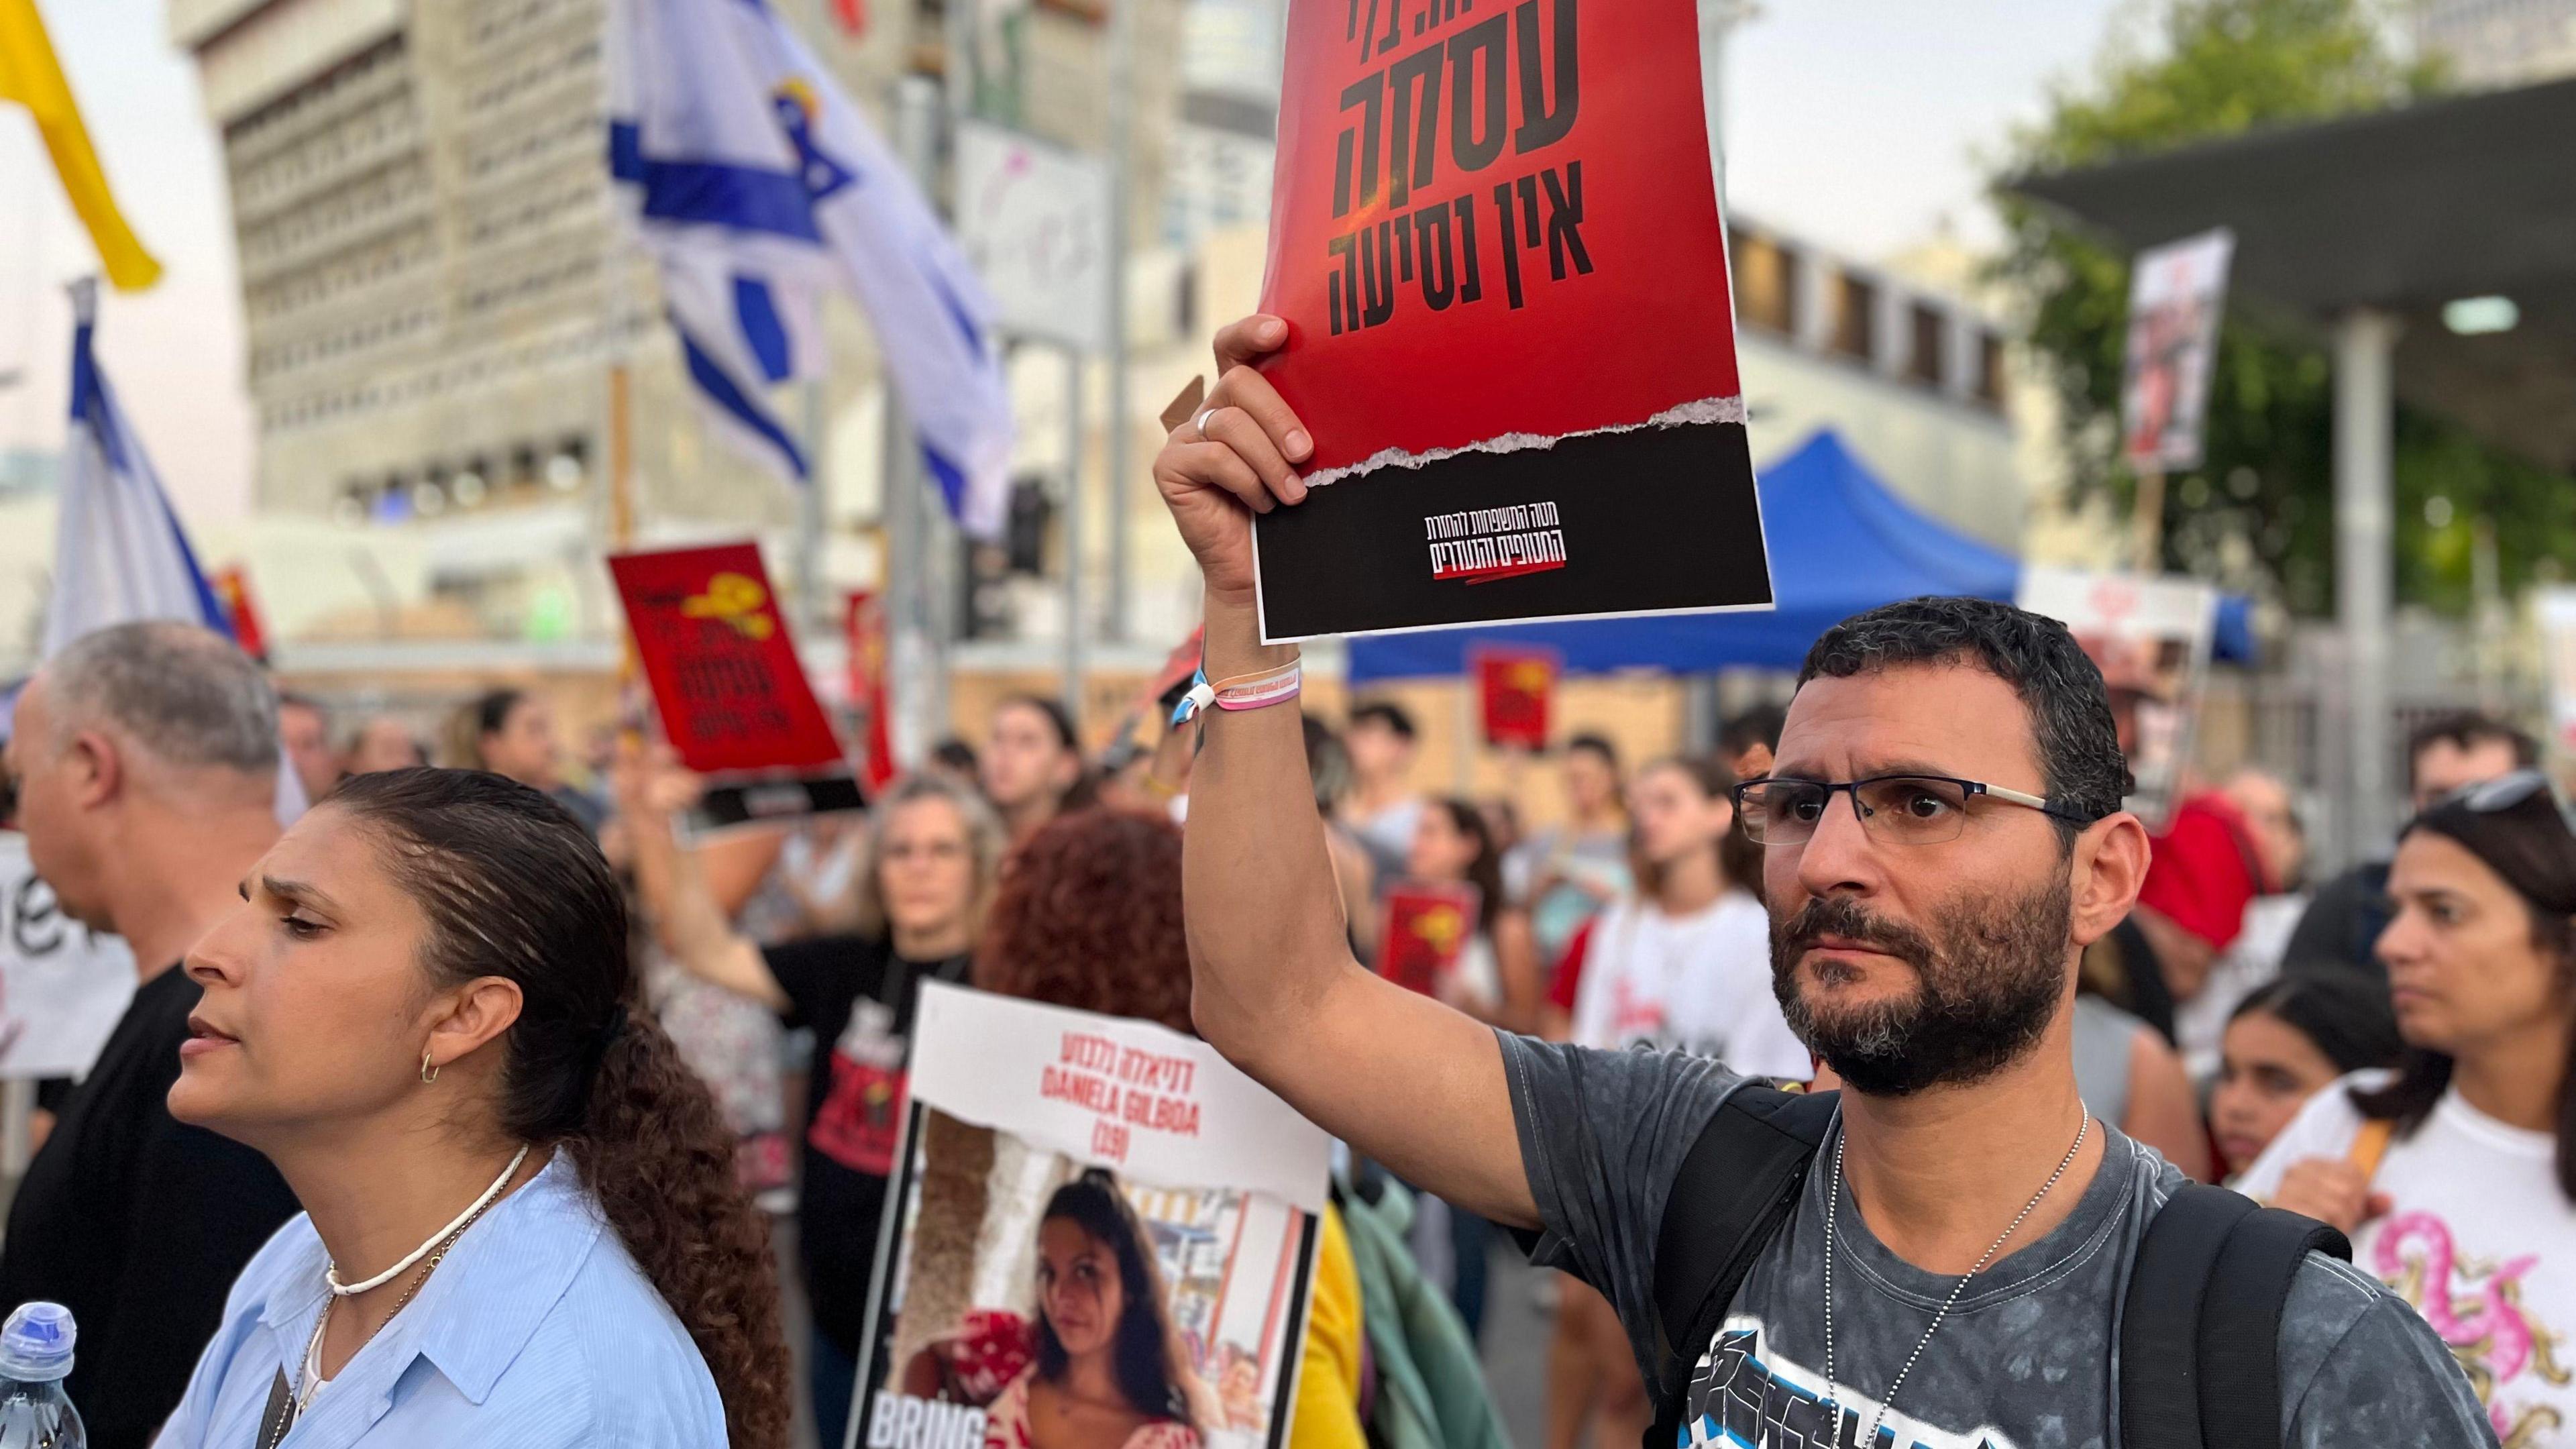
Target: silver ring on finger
(1199, 423)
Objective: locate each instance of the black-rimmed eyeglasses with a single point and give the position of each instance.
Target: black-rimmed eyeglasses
(1896, 809)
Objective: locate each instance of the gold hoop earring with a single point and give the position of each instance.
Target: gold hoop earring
(428, 1073)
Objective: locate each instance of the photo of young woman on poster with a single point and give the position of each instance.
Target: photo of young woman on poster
(1064, 1273)
(1101, 1366)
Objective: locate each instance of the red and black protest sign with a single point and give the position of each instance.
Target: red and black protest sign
(1427, 928)
(1514, 688)
(1495, 238)
(863, 630)
(232, 590)
(734, 699)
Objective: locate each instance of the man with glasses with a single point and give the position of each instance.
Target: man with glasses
(1942, 835)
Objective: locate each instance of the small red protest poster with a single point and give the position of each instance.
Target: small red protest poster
(232, 589)
(863, 630)
(733, 697)
(1514, 688)
(1495, 238)
(1427, 928)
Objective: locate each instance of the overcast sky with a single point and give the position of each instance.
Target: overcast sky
(1854, 124)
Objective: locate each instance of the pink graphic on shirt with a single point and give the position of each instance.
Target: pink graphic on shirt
(2477, 1309)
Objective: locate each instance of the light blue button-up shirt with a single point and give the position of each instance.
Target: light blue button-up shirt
(537, 1331)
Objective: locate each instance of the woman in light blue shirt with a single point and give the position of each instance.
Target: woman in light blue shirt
(522, 1226)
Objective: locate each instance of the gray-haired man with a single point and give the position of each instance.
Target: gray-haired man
(145, 758)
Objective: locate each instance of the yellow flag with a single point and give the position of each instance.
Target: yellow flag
(30, 76)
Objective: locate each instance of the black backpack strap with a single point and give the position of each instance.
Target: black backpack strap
(2200, 1335)
(1738, 1184)
(2240, 1325)
(2160, 1327)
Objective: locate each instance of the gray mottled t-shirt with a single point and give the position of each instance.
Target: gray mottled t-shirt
(2028, 1356)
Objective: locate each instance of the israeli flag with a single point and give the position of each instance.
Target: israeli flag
(758, 186)
(119, 553)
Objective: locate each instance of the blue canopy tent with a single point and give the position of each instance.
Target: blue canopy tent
(1840, 543)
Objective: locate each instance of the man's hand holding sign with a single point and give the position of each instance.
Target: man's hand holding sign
(1255, 870)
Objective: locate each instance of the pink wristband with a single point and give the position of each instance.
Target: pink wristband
(1245, 691)
(1254, 691)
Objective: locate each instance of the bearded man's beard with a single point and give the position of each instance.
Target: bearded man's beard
(1988, 977)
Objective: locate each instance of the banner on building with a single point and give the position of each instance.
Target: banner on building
(733, 696)
(2177, 294)
(1423, 937)
(1514, 688)
(1034, 222)
(1052, 1160)
(2151, 640)
(1495, 239)
(62, 986)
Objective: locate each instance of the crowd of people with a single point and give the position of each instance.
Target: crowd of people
(631, 1092)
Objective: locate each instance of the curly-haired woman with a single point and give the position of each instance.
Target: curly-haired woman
(932, 852)
(522, 1225)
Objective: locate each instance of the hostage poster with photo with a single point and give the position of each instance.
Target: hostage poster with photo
(2177, 296)
(1495, 239)
(1075, 1193)
(2151, 640)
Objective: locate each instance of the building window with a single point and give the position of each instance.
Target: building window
(1990, 369)
(1855, 331)
(1766, 283)
(1925, 363)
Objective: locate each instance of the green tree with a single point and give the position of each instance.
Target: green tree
(2258, 513)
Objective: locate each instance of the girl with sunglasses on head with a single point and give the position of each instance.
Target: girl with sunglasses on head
(522, 1225)
(2455, 1174)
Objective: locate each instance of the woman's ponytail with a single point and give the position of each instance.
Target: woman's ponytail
(657, 1155)
(513, 886)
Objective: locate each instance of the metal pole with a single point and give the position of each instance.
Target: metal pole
(958, 77)
(2149, 524)
(1717, 20)
(917, 672)
(812, 517)
(1122, 175)
(2365, 488)
(1073, 363)
(621, 458)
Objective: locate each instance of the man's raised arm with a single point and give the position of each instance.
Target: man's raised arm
(1403, 1079)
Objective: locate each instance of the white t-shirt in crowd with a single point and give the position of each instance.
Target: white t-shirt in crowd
(1699, 983)
(2478, 1238)
(2200, 1024)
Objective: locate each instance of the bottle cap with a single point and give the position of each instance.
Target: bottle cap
(36, 1343)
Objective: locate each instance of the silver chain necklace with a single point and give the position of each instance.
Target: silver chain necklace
(1833, 1387)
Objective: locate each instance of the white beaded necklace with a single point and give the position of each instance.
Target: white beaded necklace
(1833, 1390)
(331, 1272)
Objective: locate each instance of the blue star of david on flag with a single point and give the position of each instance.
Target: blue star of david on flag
(759, 187)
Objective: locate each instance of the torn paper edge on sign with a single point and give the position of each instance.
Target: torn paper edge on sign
(1705, 410)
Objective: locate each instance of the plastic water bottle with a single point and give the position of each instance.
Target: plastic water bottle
(35, 1354)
